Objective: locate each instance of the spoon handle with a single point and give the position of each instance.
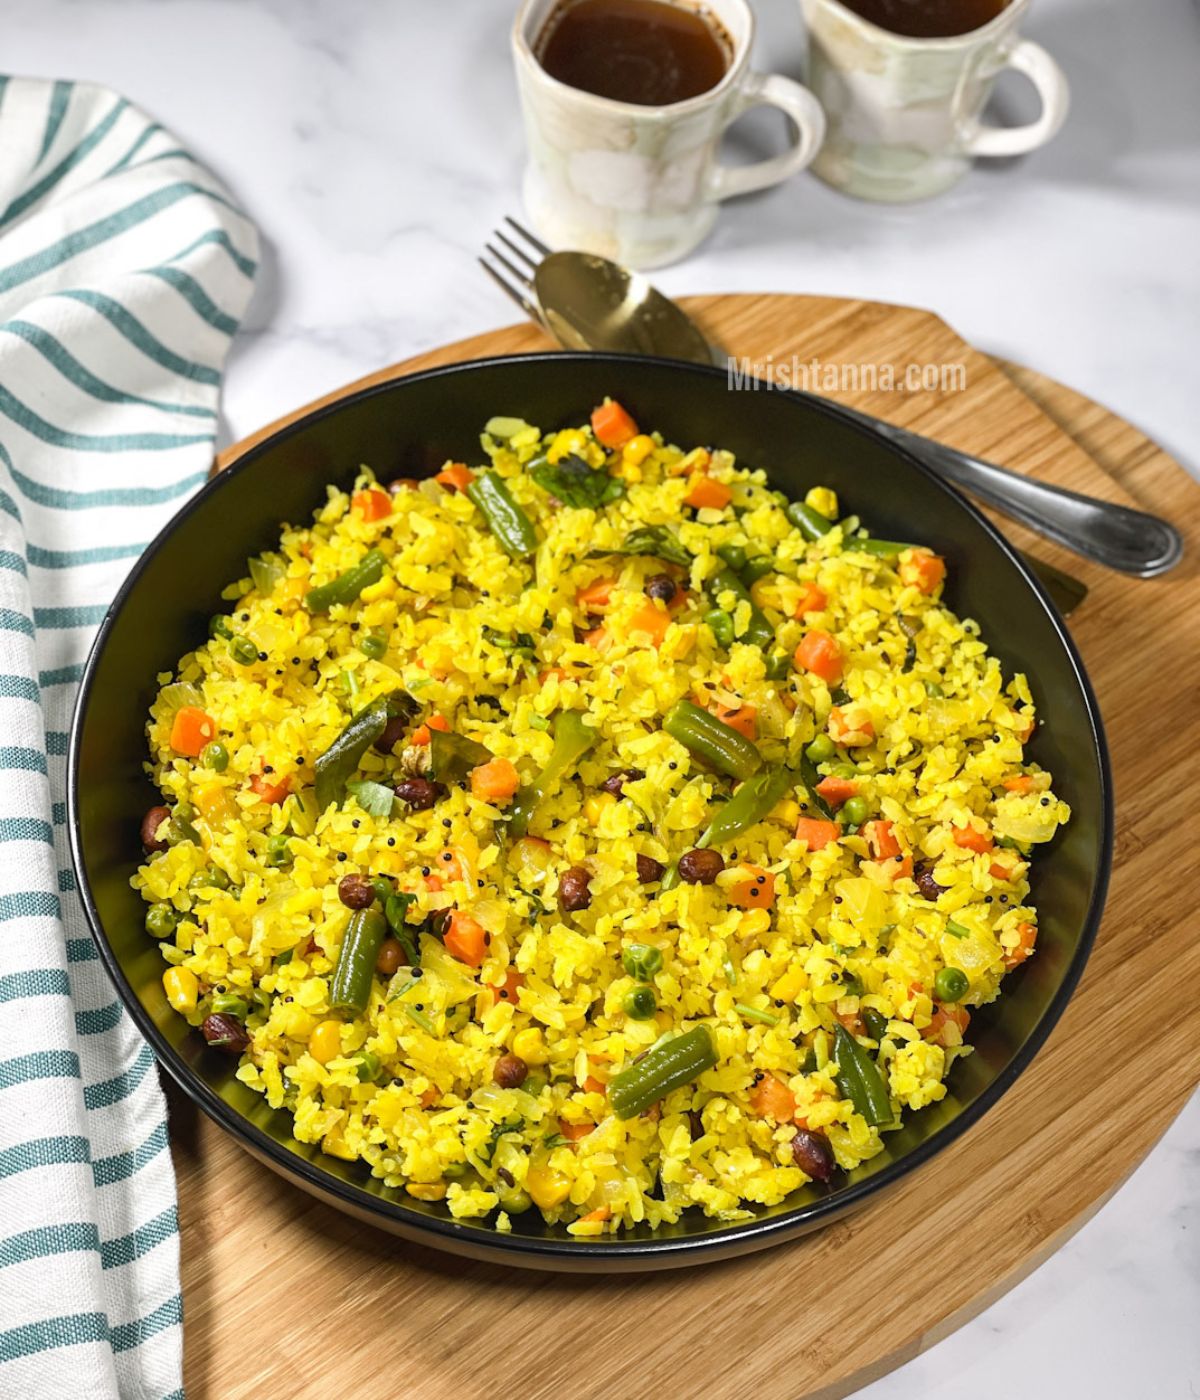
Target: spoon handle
(1127, 540)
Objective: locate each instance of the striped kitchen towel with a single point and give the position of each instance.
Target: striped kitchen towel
(124, 270)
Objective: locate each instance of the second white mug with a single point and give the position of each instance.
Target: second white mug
(638, 184)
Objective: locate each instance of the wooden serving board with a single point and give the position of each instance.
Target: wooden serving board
(284, 1297)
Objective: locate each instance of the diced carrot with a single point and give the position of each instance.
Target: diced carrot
(598, 639)
(420, 734)
(612, 426)
(743, 719)
(452, 865)
(600, 1213)
(592, 1085)
(430, 1097)
(836, 790)
(706, 493)
(771, 1098)
(1027, 933)
(596, 596)
(1021, 782)
(652, 620)
(901, 867)
(881, 837)
(465, 939)
(817, 833)
(372, 504)
(558, 672)
(820, 654)
(852, 1021)
(495, 781)
(1025, 733)
(755, 889)
(575, 1131)
(998, 870)
(457, 476)
(433, 884)
(948, 1025)
(508, 989)
(971, 839)
(679, 601)
(922, 569)
(270, 792)
(191, 729)
(813, 599)
(850, 726)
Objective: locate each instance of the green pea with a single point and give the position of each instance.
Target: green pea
(950, 984)
(842, 770)
(368, 1066)
(641, 960)
(852, 986)
(161, 921)
(452, 1171)
(185, 811)
(875, 1022)
(213, 878)
(934, 690)
(640, 1003)
(373, 645)
(180, 830)
(534, 1084)
(219, 627)
(514, 1200)
(215, 756)
(230, 1004)
(243, 650)
(855, 811)
(277, 851)
(720, 624)
(733, 555)
(822, 749)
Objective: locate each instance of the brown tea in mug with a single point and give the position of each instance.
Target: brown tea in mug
(646, 52)
(928, 19)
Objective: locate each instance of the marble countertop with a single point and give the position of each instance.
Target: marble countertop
(377, 144)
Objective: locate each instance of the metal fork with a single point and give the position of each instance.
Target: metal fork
(519, 277)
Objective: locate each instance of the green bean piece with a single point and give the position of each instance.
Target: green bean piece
(278, 851)
(230, 1004)
(733, 555)
(373, 645)
(218, 626)
(243, 650)
(950, 984)
(180, 830)
(641, 960)
(383, 888)
(779, 666)
(670, 1065)
(934, 691)
(753, 1013)
(811, 523)
(347, 586)
(758, 568)
(640, 1003)
(859, 1079)
(350, 986)
(670, 877)
(505, 518)
(808, 1064)
(712, 739)
(215, 756)
(852, 985)
(339, 763)
(822, 749)
(759, 632)
(855, 811)
(875, 1022)
(161, 920)
(885, 549)
(753, 801)
(368, 1065)
(720, 624)
(572, 739)
(957, 930)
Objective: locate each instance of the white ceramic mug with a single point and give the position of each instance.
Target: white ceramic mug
(641, 185)
(903, 113)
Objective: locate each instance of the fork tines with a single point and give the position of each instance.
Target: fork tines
(512, 274)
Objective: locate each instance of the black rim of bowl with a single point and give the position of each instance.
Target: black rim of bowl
(721, 1242)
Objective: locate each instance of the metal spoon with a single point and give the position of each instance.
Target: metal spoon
(590, 303)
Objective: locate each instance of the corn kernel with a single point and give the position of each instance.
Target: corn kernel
(530, 1046)
(213, 803)
(787, 811)
(637, 449)
(547, 1187)
(593, 808)
(333, 1144)
(325, 1041)
(427, 1190)
(824, 501)
(182, 988)
(570, 441)
(789, 986)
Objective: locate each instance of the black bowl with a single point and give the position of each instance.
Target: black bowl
(408, 428)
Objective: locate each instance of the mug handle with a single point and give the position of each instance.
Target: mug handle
(771, 90)
(1051, 84)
